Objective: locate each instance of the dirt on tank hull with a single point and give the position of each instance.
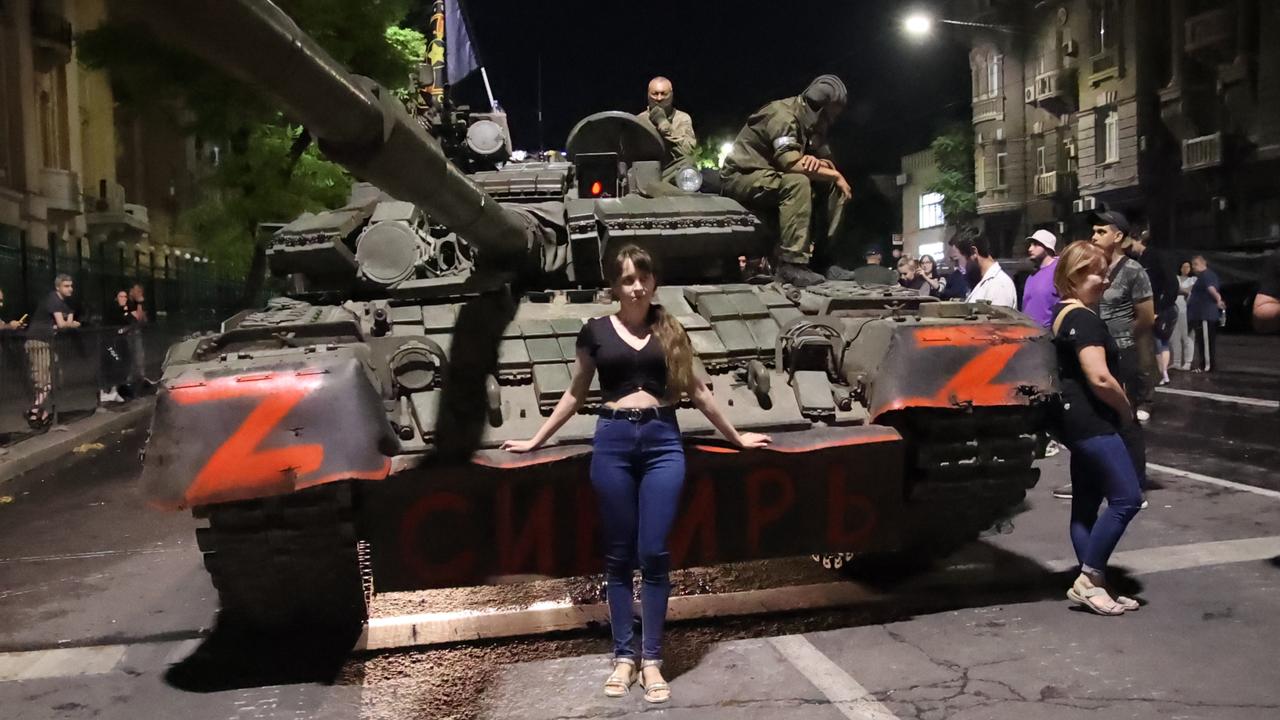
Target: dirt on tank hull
(346, 439)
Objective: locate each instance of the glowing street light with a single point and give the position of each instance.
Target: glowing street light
(917, 25)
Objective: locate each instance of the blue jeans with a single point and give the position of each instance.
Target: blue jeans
(637, 470)
(1101, 467)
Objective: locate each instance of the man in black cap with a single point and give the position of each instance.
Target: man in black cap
(780, 161)
(873, 272)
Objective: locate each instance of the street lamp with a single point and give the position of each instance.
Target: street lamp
(920, 25)
(917, 25)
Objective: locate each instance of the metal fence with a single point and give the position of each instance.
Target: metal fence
(175, 285)
(47, 380)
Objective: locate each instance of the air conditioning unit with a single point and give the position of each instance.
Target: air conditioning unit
(1037, 128)
(1070, 48)
(903, 179)
(1029, 95)
(999, 134)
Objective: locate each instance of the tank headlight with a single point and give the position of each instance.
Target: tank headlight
(689, 180)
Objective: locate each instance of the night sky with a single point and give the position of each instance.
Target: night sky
(725, 60)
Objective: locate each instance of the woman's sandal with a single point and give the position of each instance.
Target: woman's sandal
(654, 693)
(1083, 596)
(1128, 603)
(617, 685)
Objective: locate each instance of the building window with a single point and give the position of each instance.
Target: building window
(933, 250)
(1041, 167)
(1105, 25)
(1107, 137)
(1002, 160)
(980, 173)
(931, 214)
(988, 75)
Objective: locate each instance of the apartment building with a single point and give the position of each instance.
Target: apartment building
(1166, 109)
(925, 230)
(80, 179)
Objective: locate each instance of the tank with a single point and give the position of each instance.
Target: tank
(345, 438)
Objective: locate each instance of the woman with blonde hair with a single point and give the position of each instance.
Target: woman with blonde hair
(645, 363)
(1092, 411)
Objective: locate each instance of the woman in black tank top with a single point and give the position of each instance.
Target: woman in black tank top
(637, 463)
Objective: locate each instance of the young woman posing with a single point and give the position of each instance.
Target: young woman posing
(1093, 409)
(637, 464)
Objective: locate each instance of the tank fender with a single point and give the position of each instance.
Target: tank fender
(221, 435)
(963, 365)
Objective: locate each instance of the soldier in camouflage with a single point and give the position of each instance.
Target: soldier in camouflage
(675, 127)
(780, 161)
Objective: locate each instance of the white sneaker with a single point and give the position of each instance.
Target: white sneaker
(111, 397)
(1143, 416)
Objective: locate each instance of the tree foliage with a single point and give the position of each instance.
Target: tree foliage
(953, 153)
(264, 175)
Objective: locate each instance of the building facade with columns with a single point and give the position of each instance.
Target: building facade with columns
(83, 183)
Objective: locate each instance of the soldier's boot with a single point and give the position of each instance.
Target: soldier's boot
(797, 275)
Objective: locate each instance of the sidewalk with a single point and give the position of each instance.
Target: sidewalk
(34, 451)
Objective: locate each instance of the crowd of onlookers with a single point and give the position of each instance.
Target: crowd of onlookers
(121, 360)
(1121, 320)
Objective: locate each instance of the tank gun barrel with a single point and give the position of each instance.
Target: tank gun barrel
(357, 123)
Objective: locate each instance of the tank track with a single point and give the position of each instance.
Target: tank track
(966, 470)
(292, 561)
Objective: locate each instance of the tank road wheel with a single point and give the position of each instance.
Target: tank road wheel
(291, 561)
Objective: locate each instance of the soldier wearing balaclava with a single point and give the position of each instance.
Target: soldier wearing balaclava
(675, 127)
(780, 162)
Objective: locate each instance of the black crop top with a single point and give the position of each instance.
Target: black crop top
(623, 369)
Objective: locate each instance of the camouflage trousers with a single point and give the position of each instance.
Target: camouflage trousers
(795, 198)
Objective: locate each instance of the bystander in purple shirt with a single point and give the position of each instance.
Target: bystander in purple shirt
(1039, 295)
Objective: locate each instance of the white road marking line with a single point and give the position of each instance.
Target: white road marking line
(846, 694)
(1186, 557)
(1187, 474)
(1238, 400)
(62, 662)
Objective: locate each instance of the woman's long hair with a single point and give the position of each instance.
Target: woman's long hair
(670, 333)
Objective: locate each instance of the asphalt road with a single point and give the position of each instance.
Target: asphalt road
(105, 612)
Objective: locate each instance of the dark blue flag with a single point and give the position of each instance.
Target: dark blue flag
(460, 54)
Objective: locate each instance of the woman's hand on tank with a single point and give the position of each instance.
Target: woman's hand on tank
(520, 446)
(750, 440)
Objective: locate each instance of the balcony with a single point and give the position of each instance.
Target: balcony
(1211, 35)
(1054, 183)
(1055, 90)
(51, 38)
(1104, 65)
(990, 108)
(111, 214)
(61, 192)
(1202, 152)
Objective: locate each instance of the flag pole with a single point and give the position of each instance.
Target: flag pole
(488, 89)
